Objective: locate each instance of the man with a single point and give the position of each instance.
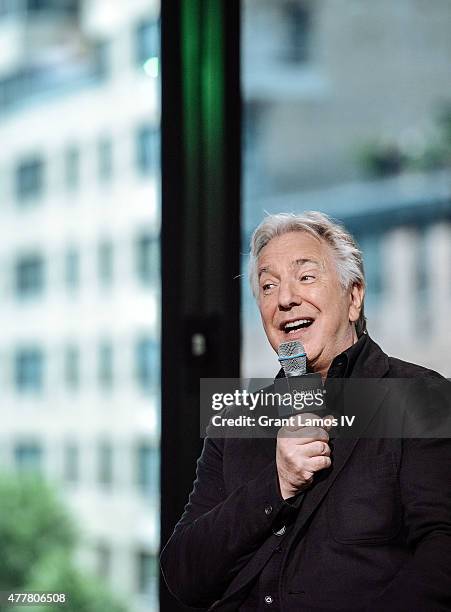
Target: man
(306, 523)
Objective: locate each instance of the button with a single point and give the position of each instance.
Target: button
(268, 509)
(268, 600)
(281, 531)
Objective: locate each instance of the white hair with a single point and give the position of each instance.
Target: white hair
(348, 257)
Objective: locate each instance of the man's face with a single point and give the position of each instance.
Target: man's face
(301, 298)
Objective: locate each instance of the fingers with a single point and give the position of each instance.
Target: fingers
(308, 420)
(301, 420)
(317, 449)
(328, 422)
(304, 435)
(314, 464)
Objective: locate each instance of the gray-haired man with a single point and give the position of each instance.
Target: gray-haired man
(300, 523)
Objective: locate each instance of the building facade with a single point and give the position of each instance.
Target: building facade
(79, 226)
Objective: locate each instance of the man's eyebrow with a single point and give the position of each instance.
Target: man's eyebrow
(297, 262)
(302, 261)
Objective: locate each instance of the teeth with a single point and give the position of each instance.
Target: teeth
(296, 323)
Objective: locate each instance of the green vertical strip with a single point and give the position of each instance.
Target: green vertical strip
(214, 141)
(213, 74)
(191, 61)
(203, 135)
(213, 90)
(191, 141)
(191, 57)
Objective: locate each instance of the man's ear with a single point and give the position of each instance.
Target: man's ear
(355, 301)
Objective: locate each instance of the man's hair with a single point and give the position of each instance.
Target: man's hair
(348, 257)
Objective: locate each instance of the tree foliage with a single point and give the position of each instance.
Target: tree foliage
(37, 539)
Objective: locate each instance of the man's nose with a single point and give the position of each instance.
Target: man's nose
(289, 295)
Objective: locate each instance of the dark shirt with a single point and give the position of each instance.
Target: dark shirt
(265, 591)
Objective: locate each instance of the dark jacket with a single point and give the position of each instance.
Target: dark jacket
(373, 533)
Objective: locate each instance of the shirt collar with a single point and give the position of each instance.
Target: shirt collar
(343, 364)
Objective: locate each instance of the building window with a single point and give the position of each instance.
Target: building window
(71, 463)
(29, 178)
(372, 258)
(147, 573)
(70, 7)
(28, 456)
(147, 41)
(147, 259)
(72, 367)
(103, 560)
(29, 275)
(105, 464)
(105, 371)
(297, 30)
(147, 364)
(72, 268)
(29, 370)
(105, 258)
(105, 159)
(8, 7)
(148, 149)
(72, 168)
(148, 469)
(422, 266)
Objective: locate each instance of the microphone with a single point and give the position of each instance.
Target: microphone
(305, 388)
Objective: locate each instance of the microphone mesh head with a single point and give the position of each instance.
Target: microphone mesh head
(292, 358)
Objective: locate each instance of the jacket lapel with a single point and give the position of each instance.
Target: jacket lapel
(342, 449)
(373, 363)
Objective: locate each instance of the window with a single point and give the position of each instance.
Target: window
(147, 573)
(105, 463)
(105, 263)
(148, 149)
(423, 287)
(105, 159)
(72, 268)
(105, 365)
(60, 6)
(147, 259)
(72, 168)
(372, 260)
(147, 364)
(147, 41)
(29, 365)
(8, 7)
(29, 275)
(72, 367)
(422, 265)
(103, 560)
(29, 178)
(71, 462)
(148, 469)
(296, 16)
(28, 456)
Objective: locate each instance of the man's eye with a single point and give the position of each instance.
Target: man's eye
(307, 277)
(267, 287)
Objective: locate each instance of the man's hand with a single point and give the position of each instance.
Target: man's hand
(301, 451)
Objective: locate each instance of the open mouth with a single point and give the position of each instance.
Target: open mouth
(292, 327)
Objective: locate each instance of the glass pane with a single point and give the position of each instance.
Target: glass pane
(80, 294)
(347, 110)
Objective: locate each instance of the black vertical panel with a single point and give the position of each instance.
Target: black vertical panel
(200, 240)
